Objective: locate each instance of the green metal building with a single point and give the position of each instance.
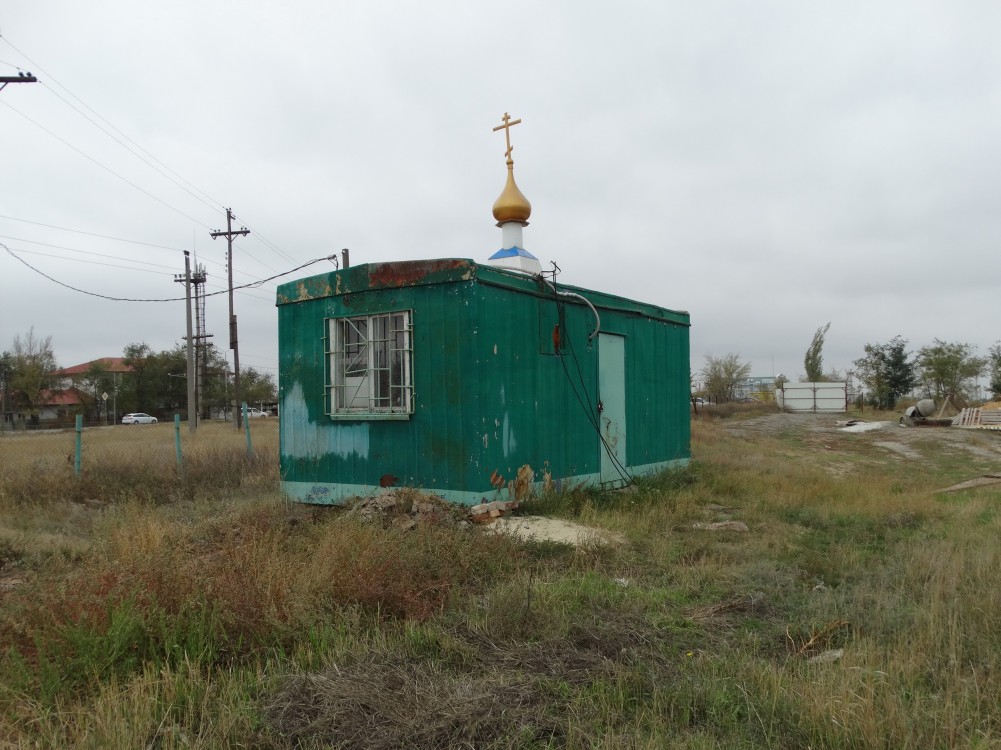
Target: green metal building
(448, 375)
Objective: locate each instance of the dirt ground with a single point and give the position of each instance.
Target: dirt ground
(538, 529)
(880, 441)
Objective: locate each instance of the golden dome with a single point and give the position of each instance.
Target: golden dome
(511, 205)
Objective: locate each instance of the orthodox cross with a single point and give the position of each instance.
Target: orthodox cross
(506, 127)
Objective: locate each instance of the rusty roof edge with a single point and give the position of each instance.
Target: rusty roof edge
(372, 276)
(405, 273)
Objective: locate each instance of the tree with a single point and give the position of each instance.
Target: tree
(157, 383)
(994, 363)
(95, 381)
(170, 379)
(834, 376)
(32, 366)
(813, 361)
(886, 371)
(258, 387)
(135, 392)
(217, 389)
(946, 368)
(721, 375)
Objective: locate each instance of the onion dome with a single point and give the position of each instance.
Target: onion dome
(512, 205)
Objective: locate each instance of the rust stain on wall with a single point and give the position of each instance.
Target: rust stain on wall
(409, 274)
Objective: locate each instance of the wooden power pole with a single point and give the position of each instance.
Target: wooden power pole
(234, 342)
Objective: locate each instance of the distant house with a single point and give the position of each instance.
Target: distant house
(61, 405)
(76, 373)
(55, 406)
(73, 377)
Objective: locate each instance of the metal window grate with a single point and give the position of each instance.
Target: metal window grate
(370, 364)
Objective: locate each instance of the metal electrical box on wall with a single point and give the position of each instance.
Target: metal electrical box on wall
(447, 375)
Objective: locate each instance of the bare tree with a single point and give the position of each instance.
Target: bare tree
(32, 365)
(722, 375)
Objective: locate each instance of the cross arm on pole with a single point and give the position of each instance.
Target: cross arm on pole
(19, 78)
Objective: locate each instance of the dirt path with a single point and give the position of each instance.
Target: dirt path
(886, 441)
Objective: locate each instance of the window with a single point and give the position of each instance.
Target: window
(370, 360)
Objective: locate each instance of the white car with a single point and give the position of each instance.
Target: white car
(138, 418)
(256, 413)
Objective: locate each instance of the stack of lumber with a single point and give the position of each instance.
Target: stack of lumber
(978, 418)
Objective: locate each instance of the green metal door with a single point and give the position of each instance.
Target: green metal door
(612, 400)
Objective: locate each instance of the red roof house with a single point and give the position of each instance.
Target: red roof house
(108, 364)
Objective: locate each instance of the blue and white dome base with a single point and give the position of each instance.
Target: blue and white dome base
(516, 259)
(514, 256)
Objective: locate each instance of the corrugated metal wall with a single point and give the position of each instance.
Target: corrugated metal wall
(490, 393)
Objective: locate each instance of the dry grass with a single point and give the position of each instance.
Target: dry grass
(25, 450)
(499, 694)
(134, 463)
(214, 614)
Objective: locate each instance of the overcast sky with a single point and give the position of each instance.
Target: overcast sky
(767, 166)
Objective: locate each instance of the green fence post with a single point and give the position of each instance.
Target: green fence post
(246, 427)
(79, 444)
(177, 437)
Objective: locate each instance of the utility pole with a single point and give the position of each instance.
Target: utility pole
(201, 342)
(192, 406)
(233, 338)
(19, 78)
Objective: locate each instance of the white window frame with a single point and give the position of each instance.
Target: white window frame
(370, 366)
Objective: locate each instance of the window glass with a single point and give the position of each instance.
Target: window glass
(370, 364)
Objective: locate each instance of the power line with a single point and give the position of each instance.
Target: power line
(251, 285)
(104, 167)
(82, 252)
(92, 262)
(242, 292)
(128, 148)
(261, 359)
(207, 199)
(92, 234)
(246, 252)
(268, 243)
(97, 114)
(106, 237)
(272, 360)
